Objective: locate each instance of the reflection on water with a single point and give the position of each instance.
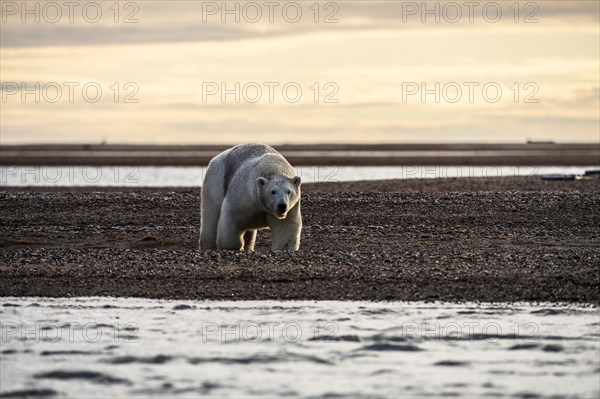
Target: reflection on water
(103, 347)
(170, 176)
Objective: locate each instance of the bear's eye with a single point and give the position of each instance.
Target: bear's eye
(289, 192)
(273, 192)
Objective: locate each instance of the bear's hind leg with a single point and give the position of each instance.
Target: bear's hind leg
(208, 229)
(249, 240)
(210, 210)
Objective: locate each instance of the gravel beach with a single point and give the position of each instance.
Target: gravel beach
(488, 239)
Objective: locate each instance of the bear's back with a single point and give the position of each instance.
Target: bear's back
(237, 156)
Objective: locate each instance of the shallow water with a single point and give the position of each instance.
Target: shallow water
(181, 176)
(106, 347)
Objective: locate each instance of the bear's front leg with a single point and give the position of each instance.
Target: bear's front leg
(286, 232)
(228, 235)
(249, 240)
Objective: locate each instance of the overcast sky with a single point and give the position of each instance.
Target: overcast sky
(344, 71)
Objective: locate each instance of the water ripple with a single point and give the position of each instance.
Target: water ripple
(308, 349)
(92, 376)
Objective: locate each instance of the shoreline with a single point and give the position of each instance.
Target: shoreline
(539, 154)
(459, 184)
(482, 240)
(297, 302)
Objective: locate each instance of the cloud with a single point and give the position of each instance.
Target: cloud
(189, 21)
(170, 52)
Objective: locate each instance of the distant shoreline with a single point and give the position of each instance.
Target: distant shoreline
(534, 154)
(458, 184)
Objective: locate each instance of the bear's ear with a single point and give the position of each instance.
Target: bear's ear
(261, 181)
(296, 180)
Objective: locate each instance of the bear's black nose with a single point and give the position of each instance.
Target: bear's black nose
(281, 207)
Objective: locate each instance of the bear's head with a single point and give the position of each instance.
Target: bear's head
(278, 194)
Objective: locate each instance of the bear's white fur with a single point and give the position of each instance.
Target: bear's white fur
(247, 188)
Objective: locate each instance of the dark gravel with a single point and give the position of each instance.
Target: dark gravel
(452, 240)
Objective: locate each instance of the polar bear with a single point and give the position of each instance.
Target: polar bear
(249, 187)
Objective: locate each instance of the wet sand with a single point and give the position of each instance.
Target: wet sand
(480, 239)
